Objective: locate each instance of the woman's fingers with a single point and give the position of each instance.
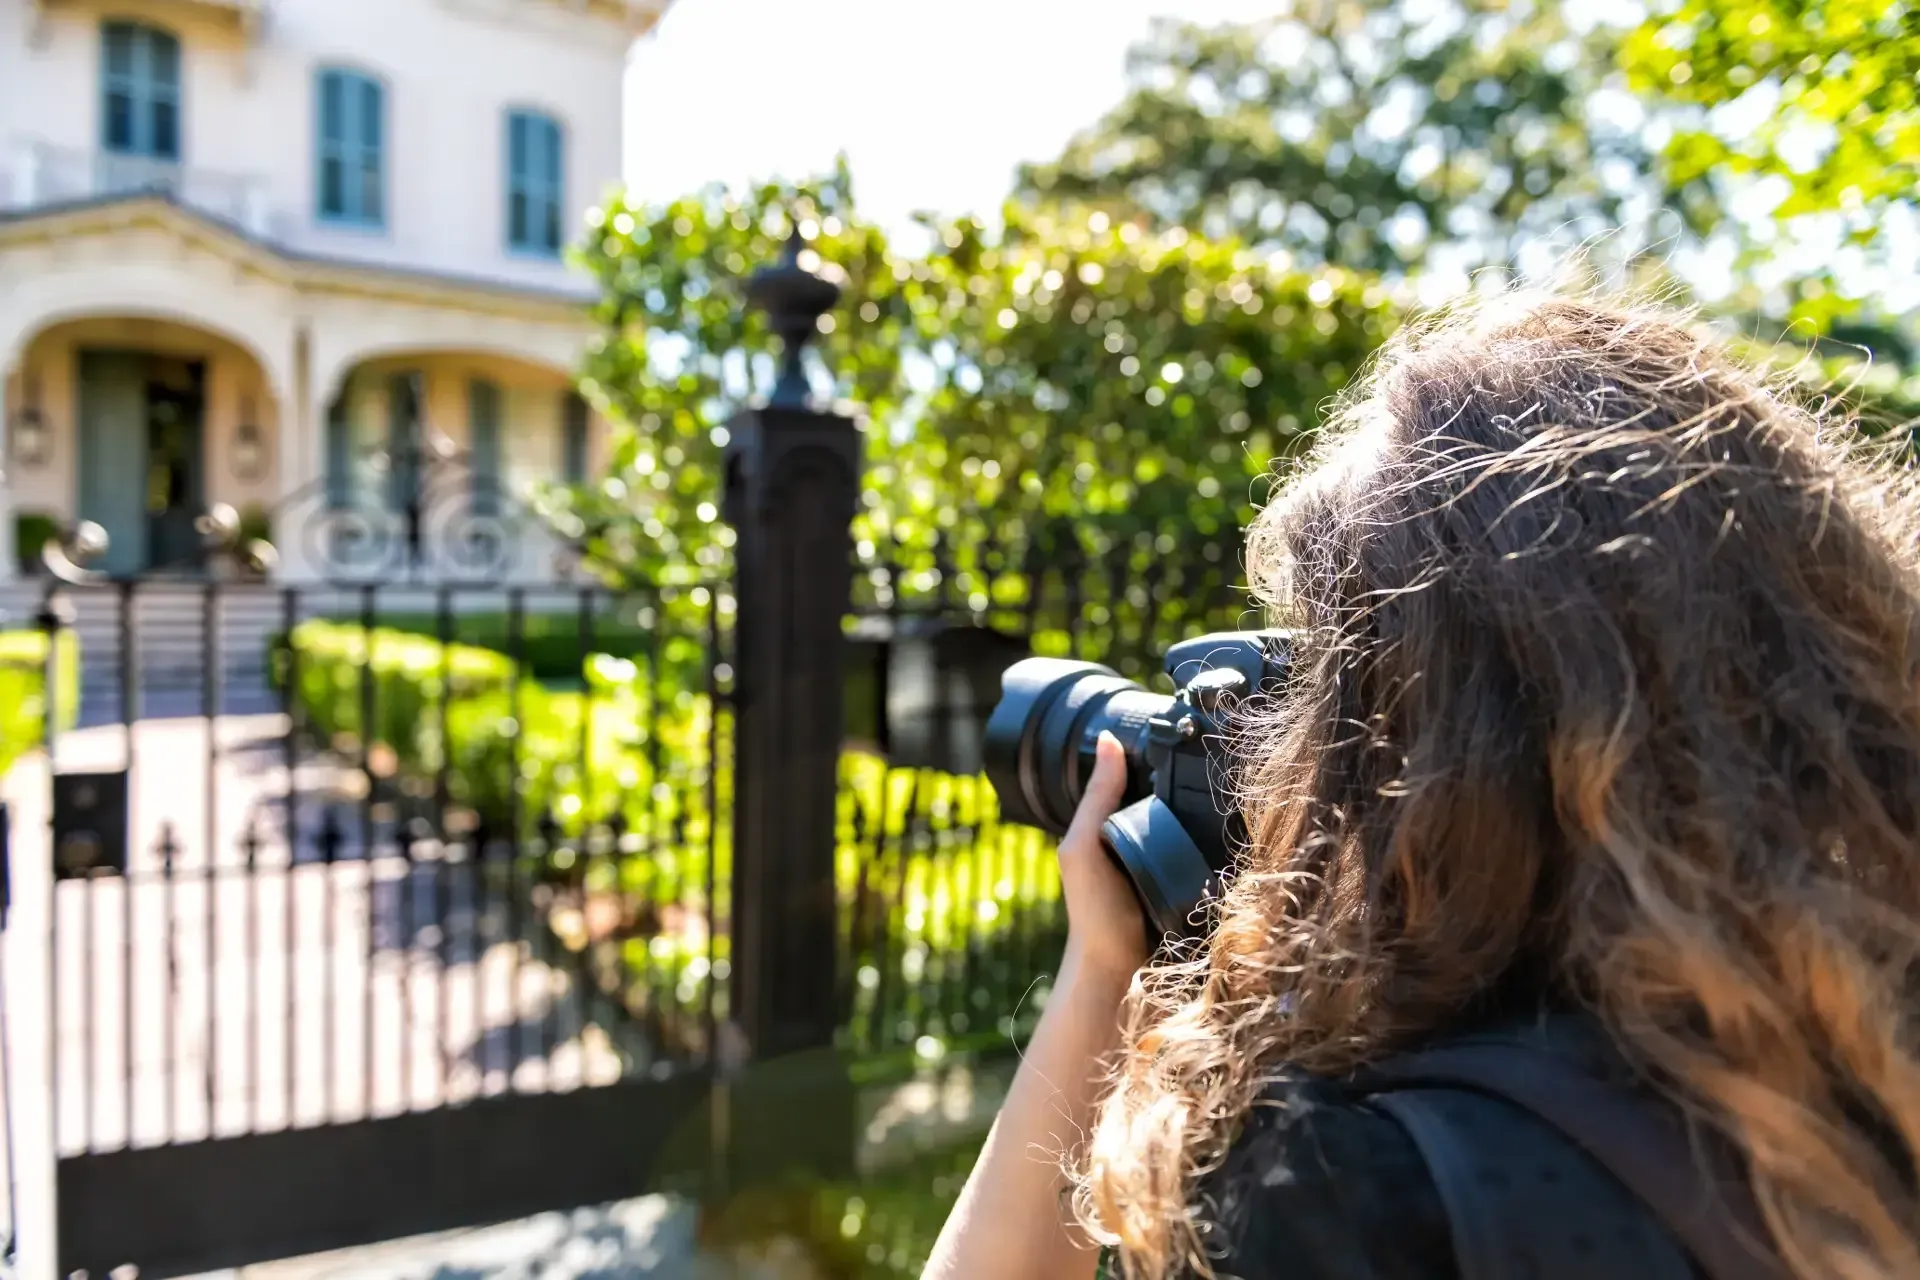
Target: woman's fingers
(1105, 927)
(1104, 789)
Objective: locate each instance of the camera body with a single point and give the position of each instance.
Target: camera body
(1178, 824)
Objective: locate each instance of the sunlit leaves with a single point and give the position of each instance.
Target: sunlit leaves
(1365, 133)
(1804, 107)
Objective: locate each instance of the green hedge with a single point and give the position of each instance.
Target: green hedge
(495, 725)
(549, 642)
(23, 683)
(937, 895)
(32, 530)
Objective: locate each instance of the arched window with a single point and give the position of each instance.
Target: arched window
(140, 90)
(351, 149)
(536, 190)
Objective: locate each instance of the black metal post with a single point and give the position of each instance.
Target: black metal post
(792, 479)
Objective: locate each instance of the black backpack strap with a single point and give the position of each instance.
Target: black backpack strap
(1632, 1137)
(1523, 1203)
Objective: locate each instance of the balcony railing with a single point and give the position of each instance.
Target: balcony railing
(39, 176)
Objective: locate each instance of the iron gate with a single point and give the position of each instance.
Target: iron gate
(371, 910)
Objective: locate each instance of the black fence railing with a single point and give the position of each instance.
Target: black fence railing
(951, 919)
(424, 856)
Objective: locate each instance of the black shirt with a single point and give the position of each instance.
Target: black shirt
(1321, 1186)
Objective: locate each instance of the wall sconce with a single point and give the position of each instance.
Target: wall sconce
(249, 446)
(28, 438)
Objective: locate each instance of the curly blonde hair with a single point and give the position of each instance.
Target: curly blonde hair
(1608, 666)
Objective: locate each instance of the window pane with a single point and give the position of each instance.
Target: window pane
(163, 58)
(551, 167)
(119, 121)
(332, 129)
(370, 193)
(166, 131)
(333, 196)
(118, 39)
(370, 114)
(517, 149)
(552, 230)
(517, 219)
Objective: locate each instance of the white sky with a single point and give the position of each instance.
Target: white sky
(934, 102)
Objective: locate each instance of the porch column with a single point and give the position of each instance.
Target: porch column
(10, 391)
(8, 566)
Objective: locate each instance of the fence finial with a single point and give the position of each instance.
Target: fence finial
(794, 299)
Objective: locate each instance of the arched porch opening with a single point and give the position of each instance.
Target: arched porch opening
(445, 444)
(139, 423)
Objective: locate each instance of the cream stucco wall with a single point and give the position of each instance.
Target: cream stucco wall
(451, 69)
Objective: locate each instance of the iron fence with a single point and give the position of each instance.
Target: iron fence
(951, 919)
(381, 872)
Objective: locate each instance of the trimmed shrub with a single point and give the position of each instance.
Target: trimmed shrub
(23, 683)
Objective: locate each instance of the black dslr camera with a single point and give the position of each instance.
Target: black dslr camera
(1178, 824)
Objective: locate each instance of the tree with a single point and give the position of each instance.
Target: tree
(1365, 132)
(1125, 378)
(1811, 107)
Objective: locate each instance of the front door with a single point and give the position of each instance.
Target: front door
(113, 451)
(142, 454)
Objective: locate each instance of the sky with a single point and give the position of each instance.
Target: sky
(934, 102)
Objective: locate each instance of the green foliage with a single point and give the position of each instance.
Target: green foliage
(256, 525)
(549, 644)
(950, 916)
(1010, 369)
(947, 913)
(23, 689)
(32, 530)
(1092, 373)
(507, 745)
(671, 361)
(1363, 132)
(1832, 89)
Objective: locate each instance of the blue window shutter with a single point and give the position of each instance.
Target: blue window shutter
(350, 149)
(573, 438)
(140, 90)
(519, 215)
(372, 154)
(483, 445)
(549, 229)
(535, 182)
(339, 476)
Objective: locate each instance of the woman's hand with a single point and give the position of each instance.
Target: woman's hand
(1010, 1223)
(1106, 931)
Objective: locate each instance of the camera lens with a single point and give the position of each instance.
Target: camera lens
(1039, 742)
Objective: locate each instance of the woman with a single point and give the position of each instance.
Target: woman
(1607, 704)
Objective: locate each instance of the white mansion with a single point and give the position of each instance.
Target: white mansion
(244, 244)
